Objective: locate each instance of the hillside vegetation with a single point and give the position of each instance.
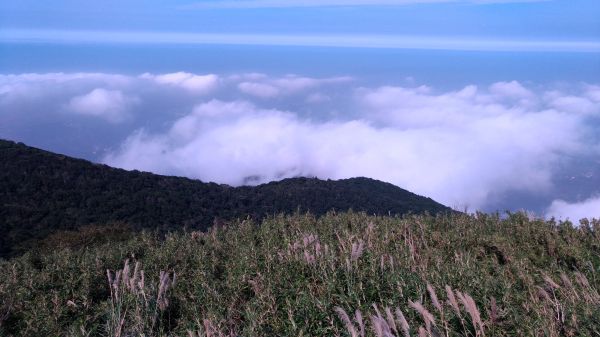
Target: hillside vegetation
(43, 192)
(345, 274)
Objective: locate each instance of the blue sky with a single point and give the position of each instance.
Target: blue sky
(485, 104)
(561, 20)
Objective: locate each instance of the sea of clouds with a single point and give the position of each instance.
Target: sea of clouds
(470, 147)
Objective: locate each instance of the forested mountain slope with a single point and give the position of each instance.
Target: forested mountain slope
(42, 192)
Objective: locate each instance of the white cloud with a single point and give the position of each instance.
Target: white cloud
(315, 98)
(247, 77)
(468, 146)
(196, 84)
(259, 89)
(460, 147)
(49, 78)
(574, 104)
(511, 89)
(32, 86)
(266, 87)
(563, 210)
(111, 105)
(220, 141)
(593, 92)
(294, 83)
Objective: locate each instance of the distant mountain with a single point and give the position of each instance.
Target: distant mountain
(43, 192)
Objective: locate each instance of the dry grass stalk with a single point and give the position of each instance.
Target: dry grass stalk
(309, 258)
(308, 249)
(550, 282)
(381, 327)
(390, 262)
(357, 250)
(131, 281)
(436, 303)
(196, 235)
(140, 314)
(377, 327)
(473, 311)
(582, 280)
(543, 294)
(494, 313)
(370, 234)
(341, 242)
(409, 241)
(376, 308)
(434, 298)
(566, 281)
(165, 283)
(213, 331)
(359, 319)
(589, 293)
(403, 322)
(347, 322)
(452, 300)
(209, 329)
(309, 239)
(427, 316)
(391, 321)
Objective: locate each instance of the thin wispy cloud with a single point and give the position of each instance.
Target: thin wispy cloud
(335, 41)
(333, 3)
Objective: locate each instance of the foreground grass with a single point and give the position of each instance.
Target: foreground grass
(339, 275)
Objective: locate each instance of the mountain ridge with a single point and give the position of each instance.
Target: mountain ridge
(44, 192)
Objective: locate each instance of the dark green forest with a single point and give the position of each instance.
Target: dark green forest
(43, 193)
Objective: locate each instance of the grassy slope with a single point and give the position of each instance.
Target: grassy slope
(287, 276)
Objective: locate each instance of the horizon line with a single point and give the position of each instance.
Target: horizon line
(300, 40)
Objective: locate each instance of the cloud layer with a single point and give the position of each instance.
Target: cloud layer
(111, 105)
(197, 84)
(563, 210)
(474, 146)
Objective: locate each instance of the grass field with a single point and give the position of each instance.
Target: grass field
(343, 274)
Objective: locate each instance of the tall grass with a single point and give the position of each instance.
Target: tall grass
(339, 275)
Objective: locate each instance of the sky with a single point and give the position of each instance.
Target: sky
(486, 105)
